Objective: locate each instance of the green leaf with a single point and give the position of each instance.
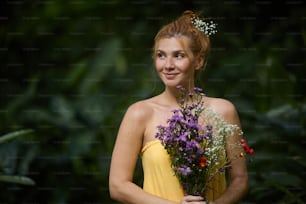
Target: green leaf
(17, 179)
(14, 134)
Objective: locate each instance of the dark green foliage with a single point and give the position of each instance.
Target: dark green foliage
(8, 162)
(69, 70)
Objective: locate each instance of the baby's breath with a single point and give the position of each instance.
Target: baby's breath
(208, 27)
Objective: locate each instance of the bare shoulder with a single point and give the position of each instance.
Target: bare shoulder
(134, 122)
(224, 107)
(140, 110)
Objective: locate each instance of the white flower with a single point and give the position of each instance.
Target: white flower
(209, 27)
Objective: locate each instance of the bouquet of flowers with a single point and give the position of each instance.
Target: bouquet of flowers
(195, 139)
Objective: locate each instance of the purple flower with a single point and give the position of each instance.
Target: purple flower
(179, 86)
(209, 127)
(208, 132)
(183, 137)
(197, 89)
(193, 125)
(184, 170)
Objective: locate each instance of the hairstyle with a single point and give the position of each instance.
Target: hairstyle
(183, 26)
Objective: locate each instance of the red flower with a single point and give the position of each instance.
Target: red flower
(246, 147)
(202, 162)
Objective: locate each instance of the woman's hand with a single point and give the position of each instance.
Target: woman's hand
(190, 199)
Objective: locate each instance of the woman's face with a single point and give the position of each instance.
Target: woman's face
(175, 62)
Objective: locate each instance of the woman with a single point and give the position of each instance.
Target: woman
(180, 52)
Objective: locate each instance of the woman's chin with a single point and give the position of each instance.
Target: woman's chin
(175, 83)
(171, 83)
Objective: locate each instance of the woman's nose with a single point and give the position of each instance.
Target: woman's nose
(169, 63)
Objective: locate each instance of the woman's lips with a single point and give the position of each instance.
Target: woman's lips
(170, 75)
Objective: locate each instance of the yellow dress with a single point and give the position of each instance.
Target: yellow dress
(159, 178)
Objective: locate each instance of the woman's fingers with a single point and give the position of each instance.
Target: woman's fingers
(193, 199)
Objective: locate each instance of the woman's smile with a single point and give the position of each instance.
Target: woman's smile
(170, 75)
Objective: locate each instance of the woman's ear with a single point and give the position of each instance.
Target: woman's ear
(199, 63)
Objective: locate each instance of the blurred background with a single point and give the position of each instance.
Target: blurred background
(69, 70)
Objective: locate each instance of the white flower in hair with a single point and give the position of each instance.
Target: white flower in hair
(209, 27)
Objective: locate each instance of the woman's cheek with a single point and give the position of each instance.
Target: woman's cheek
(158, 65)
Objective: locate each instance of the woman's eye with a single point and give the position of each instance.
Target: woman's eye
(180, 55)
(160, 55)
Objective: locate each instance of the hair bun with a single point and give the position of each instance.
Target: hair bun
(189, 13)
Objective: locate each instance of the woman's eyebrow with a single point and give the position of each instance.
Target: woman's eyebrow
(173, 51)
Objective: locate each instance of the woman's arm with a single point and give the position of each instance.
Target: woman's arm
(124, 158)
(238, 175)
